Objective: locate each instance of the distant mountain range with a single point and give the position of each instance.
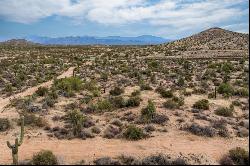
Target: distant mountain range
(90, 40)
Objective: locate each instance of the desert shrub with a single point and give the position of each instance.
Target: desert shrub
(111, 132)
(86, 99)
(226, 160)
(159, 159)
(4, 124)
(117, 122)
(133, 102)
(186, 93)
(225, 89)
(8, 88)
(159, 119)
(224, 111)
(227, 67)
(178, 100)
(41, 91)
(164, 93)
(242, 92)
(239, 156)
(133, 133)
(88, 122)
(201, 131)
(106, 161)
(75, 118)
(118, 102)
(104, 105)
(50, 102)
(136, 93)
(211, 95)
(181, 82)
(148, 112)
(53, 94)
(69, 85)
(116, 91)
(144, 86)
(149, 128)
(201, 104)
(44, 157)
(170, 104)
(236, 103)
(96, 130)
(33, 120)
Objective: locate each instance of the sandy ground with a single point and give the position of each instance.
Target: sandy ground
(172, 143)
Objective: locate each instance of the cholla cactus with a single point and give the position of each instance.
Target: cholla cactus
(18, 142)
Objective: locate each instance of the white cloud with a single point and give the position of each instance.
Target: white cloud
(178, 14)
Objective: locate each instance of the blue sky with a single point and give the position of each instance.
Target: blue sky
(170, 19)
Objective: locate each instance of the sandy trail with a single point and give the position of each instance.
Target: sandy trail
(30, 91)
(172, 142)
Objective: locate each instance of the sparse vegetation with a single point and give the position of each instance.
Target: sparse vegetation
(201, 104)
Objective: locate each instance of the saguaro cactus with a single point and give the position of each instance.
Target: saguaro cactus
(74, 72)
(18, 142)
(215, 92)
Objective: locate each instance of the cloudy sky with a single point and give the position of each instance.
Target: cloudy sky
(171, 19)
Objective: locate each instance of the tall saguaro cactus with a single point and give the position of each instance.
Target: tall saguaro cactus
(18, 142)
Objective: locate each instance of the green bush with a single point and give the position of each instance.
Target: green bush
(116, 91)
(170, 104)
(44, 157)
(174, 103)
(242, 92)
(164, 93)
(33, 120)
(118, 102)
(178, 100)
(104, 105)
(223, 111)
(239, 156)
(202, 104)
(133, 133)
(181, 82)
(69, 85)
(225, 89)
(148, 112)
(236, 103)
(76, 119)
(145, 87)
(4, 124)
(41, 91)
(136, 93)
(133, 102)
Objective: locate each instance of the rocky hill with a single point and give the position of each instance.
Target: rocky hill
(18, 42)
(212, 39)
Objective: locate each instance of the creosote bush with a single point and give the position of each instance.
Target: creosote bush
(164, 93)
(41, 91)
(76, 119)
(149, 112)
(69, 85)
(4, 124)
(33, 120)
(116, 91)
(239, 156)
(44, 157)
(133, 101)
(133, 133)
(201, 104)
(224, 111)
(225, 89)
